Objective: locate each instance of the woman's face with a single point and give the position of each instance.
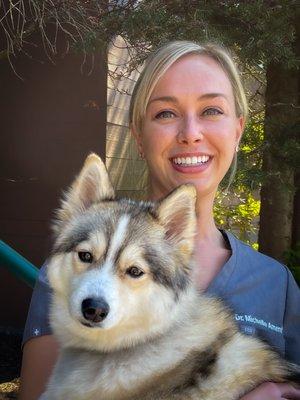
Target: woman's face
(191, 130)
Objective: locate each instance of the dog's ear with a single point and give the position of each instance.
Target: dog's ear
(91, 186)
(177, 214)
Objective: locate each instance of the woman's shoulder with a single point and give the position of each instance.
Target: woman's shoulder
(43, 274)
(37, 323)
(264, 297)
(254, 261)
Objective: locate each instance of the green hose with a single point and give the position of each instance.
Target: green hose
(17, 264)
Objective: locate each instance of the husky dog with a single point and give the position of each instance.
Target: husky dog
(129, 320)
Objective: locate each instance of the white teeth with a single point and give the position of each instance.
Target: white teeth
(191, 160)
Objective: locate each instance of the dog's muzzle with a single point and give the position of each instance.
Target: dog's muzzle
(94, 309)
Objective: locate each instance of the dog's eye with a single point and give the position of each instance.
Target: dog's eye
(85, 256)
(134, 272)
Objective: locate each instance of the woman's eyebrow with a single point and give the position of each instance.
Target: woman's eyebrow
(211, 96)
(172, 99)
(169, 99)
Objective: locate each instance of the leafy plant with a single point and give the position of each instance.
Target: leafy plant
(238, 211)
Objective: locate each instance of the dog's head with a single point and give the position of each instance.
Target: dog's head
(120, 269)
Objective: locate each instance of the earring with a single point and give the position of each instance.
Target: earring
(142, 155)
(237, 148)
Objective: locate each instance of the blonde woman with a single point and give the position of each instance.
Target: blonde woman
(187, 114)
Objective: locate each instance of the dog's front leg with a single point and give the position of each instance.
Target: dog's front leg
(192, 393)
(195, 393)
(57, 394)
(186, 396)
(43, 397)
(46, 396)
(50, 395)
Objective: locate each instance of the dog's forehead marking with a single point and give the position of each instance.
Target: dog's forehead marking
(118, 236)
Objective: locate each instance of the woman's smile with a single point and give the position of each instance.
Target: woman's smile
(191, 163)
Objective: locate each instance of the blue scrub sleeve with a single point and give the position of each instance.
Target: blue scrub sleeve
(292, 321)
(37, 323)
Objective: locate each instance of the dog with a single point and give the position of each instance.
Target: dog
(129, 320)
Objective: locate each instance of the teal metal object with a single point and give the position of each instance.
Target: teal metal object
(17, 264)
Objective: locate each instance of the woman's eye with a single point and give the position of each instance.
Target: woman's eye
(212, 111)
(134, 272)
(165, 114)
(85, 256)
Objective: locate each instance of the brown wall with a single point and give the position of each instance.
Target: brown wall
(49, 122)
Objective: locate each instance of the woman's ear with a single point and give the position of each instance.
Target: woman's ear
(138, 140)
(239, 129)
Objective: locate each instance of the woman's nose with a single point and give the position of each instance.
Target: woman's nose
(190, 131)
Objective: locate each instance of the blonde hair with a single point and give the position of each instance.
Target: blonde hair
(162, 59)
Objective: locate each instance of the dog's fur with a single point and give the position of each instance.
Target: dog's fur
(161, 338)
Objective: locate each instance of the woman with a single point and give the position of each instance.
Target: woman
(187, 114)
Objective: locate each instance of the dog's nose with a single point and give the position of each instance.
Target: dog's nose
(94, 309)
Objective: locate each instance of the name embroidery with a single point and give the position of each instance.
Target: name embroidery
(256, 321)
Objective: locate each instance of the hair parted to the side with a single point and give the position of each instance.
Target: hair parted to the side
(162, 59)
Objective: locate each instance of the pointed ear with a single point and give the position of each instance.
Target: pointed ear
(91, 186)
(178, 216)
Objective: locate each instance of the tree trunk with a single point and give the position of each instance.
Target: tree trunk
(277, 192)
(296, 214)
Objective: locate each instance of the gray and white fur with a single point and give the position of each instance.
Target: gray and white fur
(129, 320)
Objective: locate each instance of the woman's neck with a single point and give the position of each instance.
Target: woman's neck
(206, 228)
(211, 251)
